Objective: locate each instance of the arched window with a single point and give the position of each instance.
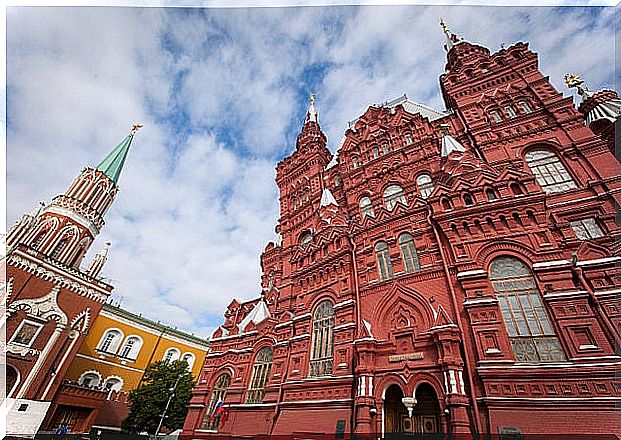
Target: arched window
(260, 375)
(446, 204)
(516, 189)
(58, 248)
(366, 207)
(495, 114)
(113, 383)
(530, 332)
(306, 238)
(189, 359)
(131, 348)
(37, 241)
(90, 379)
(385, 149)
(172, 354)
(375, 152)
(525, 107)
(322, 348)
(511, 111)
(393, 195)
(549, 171)
(491, 194)
(408, 250)
(218, 394)
(468, 200)
(355, 162)
(384, 264)
(110, 341)
(425, 185)
(12, 379)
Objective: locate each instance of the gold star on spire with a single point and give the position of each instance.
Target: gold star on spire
(135, 128)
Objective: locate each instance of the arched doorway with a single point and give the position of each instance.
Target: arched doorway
(12, 379)
(426, 414)
(395, 414)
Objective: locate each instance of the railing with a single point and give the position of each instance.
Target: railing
(537, 349)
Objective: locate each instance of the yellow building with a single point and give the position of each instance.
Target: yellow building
(117, 350)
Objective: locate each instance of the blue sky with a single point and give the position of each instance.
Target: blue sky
(222, 95)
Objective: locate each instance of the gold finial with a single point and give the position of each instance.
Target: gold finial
(135, 128)
(572, 80)
(444, 27)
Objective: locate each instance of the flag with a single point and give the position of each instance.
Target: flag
(225, 414)
(218, 409)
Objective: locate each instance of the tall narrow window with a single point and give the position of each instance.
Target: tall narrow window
(510, 111)
(549, 171)
(322, 349)
(189, 359)
(355, 162)
(375, 152)
(37, 241)
(468, 201)
(393, 195)
(131, 348)
(218, 394)
(384, 264)
(385, 149)
(408, 250)
(366, 207)
(491, 194)
(495, 114)
(58, 248)
(425, 185)
(530, 332)
(525, 107)
(408, 139)
(586, 229)
(260, 376)
(110, 341)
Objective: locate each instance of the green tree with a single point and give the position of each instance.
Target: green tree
(148, 401)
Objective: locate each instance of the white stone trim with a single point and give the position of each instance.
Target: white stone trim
(283, 324)
(598, 261)
(304, 336)
(73, 215)
(344, 326)
(553, 263)
(21, 324)
(607, 292)
(480, 301)
(95, 372)
(343, 304)
(240, 335)
(471, 272)
(305, 315)
(563, 294)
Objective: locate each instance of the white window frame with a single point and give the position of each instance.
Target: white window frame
(120, 383)
(366, 209)
(394, 197)
(526, 108)
(425, 185)
(21, 325)
(134, 350)
(172, 358)
(511, 112)
(549, 170)
(88, 372)
(586, 228)
(193, 357)
(495, 114)
(113, 348)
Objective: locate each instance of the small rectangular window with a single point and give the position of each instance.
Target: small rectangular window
(495, 116)
(525, 107)
(26, 333)
(586, 229)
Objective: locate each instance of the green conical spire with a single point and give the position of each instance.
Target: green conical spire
(112, 165)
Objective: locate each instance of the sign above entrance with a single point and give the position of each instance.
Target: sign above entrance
(405, 357)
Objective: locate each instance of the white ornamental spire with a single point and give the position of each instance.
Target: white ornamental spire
(327, 198)
(451, 38)
(449, 143)
(311, 114)
(98, 261)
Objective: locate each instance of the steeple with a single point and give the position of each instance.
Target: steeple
(451, 38)
(311, 113)
(112, 165)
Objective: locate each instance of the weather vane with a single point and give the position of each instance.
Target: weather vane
(135, 128)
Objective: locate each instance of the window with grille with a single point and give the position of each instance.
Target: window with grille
(58, 248)
(218, 394)
(549, 171)
(525, 107)
(355, 162)
(110, 341)
(172, 354)
(408, 250)
(425, 185)
(131, 348)
(496, 116)
(322, 352)
(385, 149)
(37, 242)
(375, 152)
(366, 207)
(260, 375)
(586, 229)
(384, 265)
(511, 112)
(393, 195)
(531, 334)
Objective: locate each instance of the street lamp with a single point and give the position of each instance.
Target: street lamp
(172, 394)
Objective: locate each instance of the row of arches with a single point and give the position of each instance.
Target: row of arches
(110, 343)
(94, 379)
(546, 166)
(64, 245)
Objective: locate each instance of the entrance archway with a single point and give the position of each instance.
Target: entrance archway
(395, 413)
(426, 414)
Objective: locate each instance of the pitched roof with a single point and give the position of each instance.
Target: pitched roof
(327, 198)
(259, 313)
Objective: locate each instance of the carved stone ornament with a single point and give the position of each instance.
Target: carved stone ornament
(45, 308)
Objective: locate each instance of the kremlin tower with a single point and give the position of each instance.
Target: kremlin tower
(51, 298)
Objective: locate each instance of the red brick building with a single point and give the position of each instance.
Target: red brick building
(51, 301)
(447, 271)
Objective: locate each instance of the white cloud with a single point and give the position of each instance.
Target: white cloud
(222, 93)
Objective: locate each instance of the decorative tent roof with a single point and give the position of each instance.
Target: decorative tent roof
(327, 198)
(449, 143)
(259, 313)
(113, 163)
(603, 104)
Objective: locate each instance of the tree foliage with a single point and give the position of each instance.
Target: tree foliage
(148, 401)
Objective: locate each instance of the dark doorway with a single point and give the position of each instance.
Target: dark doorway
(426, 413)
(395, 413)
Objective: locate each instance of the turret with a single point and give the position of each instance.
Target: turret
(98, 261)
(600, 109)
(65, 229)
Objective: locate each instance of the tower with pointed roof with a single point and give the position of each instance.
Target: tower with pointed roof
(448, 271)
(51, 300)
